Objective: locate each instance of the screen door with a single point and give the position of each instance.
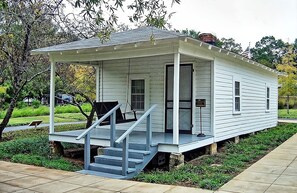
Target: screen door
(185, 98)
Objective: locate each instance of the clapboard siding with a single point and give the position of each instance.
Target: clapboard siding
(115, 76)
(202, 84)
(253, 115)
(115, 80)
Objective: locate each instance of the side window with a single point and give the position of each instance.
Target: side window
(267, 98)
(138, 94)
(236, 96)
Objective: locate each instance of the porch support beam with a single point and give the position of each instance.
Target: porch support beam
(97, 83)
(114, 54)
(176, 98)
(52, 98)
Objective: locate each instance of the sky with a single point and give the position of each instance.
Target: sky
(244, 20)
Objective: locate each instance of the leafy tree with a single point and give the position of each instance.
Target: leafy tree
(26, 24)
(78, 81)
(192, 33)
(295, 49)
(229, 44)
(289, 82)
(100, 17)
(21, 31)
(268, 51)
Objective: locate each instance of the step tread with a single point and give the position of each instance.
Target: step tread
(129, 150)
(119, 158)
(130, 170)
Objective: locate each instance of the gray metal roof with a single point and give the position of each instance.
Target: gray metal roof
(141, 34)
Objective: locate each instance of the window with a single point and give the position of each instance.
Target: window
(236, 96)
(267, 98)
(138, 94)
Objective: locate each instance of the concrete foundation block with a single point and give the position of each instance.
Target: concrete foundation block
(236, 139)
(56, 148)
(212, 149)
(100, 151)
(176, 160)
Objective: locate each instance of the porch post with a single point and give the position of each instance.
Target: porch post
(97, 83)
(176, 98)
(52, 98)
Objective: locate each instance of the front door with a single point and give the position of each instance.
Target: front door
(185, 98)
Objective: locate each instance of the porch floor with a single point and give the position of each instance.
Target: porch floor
(101, 136)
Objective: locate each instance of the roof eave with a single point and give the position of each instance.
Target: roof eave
(232, 54)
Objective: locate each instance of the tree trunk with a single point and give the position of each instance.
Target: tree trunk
(288, 103)
(8, 114)
(90, 118)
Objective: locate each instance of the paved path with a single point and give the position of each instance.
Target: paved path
(26, 179)
(16, 128)
(274, 173)
(287, 120)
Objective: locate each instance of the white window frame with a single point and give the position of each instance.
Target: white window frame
(267, 86)
(144, 77)
(237, 79)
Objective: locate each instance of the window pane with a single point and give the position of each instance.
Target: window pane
(237, 88)
(137, 94)
(268, 92)
(237, 103)
(267, 104)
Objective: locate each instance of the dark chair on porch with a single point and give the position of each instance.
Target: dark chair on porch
(102, 108)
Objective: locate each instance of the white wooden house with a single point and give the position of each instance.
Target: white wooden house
(148, 66)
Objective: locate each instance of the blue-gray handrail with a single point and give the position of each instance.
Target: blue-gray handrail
(124, 135)
(86, 134)
(125, 138)
(98, 122)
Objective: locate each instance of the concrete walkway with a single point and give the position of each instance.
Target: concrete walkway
(24, 127)
(26, 179)
(274, 173)
(287, 120)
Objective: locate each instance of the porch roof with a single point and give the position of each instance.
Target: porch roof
(142, 34)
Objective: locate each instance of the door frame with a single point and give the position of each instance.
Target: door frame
(165, 100)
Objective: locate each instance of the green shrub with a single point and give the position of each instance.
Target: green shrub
(37, 160)
(291, 103)
(281, 103)
(21, 104)
(35, 145)
(32, 147)
(36, 104)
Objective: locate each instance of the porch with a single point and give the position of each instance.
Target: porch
(100, 136)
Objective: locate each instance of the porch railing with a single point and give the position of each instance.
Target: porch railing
(86, 134)
(125, 137)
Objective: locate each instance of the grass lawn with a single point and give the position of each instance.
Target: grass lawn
(282, 113)
(44, 110)
(32, 147)
(59, 118)
(213, 171)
